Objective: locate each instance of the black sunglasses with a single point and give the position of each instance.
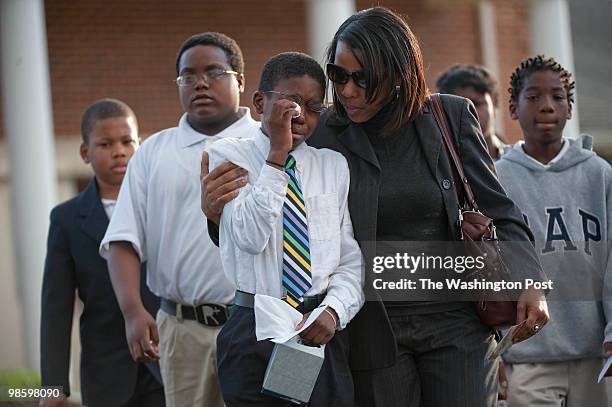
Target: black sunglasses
(341, 76)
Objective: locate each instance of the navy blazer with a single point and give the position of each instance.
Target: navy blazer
(108, 372)
(372, 343)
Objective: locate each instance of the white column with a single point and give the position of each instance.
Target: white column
(488, 36)
(324, 18)
(488, 42)
(551, 35)
(29, 130)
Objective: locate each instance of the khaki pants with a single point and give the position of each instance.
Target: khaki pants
(558, 384)
(188, 362)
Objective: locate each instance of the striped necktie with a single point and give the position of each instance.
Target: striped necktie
(297, 274)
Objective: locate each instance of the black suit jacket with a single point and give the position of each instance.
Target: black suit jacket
(372, 344)
(108, 372)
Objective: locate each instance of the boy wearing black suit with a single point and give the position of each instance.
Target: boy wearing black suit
(109, 376)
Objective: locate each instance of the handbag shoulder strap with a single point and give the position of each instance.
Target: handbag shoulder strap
(440, 116)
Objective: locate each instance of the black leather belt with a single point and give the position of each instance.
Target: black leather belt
(205, 314)
(247, 300)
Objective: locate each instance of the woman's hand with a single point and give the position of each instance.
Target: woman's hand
(531, 307)
(219, 187)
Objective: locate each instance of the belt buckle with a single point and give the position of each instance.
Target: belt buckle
(211, 314)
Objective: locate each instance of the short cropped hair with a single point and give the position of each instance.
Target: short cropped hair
(227, 44)
(103, 109)
(390, 55)
(468, 76)
(288, 65)
(537, 64)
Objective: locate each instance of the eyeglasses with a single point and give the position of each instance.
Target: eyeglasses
(312, 105)
(190, 79)
(341, 76)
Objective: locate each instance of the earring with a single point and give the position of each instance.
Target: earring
(397, 91)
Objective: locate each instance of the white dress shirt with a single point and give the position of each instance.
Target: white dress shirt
(158, 211)
(251, 232)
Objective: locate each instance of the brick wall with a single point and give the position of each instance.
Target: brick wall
(512, 47)
(126, 48)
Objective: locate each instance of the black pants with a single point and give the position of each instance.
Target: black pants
(441, 363)
(148, 392)
(242, 362)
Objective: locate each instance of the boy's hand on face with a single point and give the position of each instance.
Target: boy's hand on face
(219, 187)
(322, 329)
(142, 337)
(278, 123)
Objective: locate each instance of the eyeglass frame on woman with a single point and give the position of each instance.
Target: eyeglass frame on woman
(355, 76)
(298, 99)
(211, 75)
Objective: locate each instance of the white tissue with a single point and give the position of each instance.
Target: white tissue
(276, 320)
(297, 110)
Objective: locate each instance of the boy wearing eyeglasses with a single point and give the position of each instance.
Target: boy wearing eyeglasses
(288, 234)
(157, 219)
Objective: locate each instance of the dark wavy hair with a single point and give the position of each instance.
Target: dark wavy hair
(537, 64)
(390, 55)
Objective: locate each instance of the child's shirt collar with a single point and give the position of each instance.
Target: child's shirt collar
(189, 136)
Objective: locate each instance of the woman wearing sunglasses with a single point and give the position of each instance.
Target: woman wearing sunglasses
(409, 353)
(406, 353)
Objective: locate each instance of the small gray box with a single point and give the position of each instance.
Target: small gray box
(293, 370)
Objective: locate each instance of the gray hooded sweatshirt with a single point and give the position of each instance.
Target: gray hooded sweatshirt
(568, 205)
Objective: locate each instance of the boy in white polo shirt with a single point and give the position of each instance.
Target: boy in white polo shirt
(288, 234)
(158, 220)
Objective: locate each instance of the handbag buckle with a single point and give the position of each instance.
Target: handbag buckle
(459, 222)
(493, 230)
